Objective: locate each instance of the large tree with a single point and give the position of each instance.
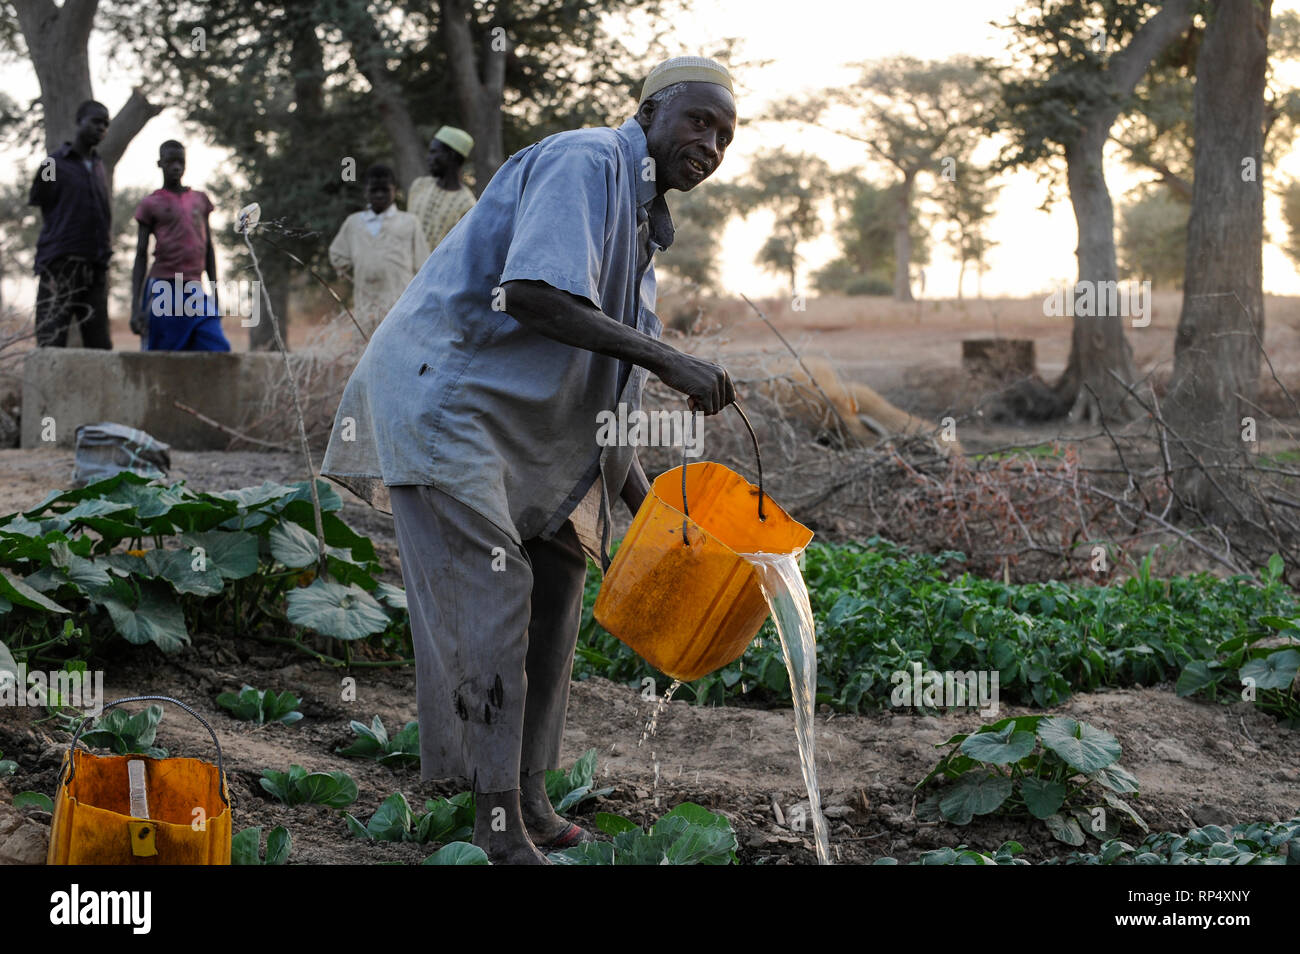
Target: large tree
(791, 186)
(1075, 65)
(864, 230)
(911, 115)
(1220, 333)
(56, 39)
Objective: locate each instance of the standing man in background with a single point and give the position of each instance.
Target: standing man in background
(171, 311)
(381, 247)
(440, 199)
(75, 243)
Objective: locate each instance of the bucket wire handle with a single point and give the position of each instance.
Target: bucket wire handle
(686, 510)
(72, 767)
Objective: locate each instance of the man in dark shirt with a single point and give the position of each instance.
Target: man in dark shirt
(73, 249)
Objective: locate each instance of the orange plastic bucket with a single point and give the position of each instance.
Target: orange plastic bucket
(188, 823)
(679, 592)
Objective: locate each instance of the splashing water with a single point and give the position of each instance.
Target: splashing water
(652, 724)
(787, 597)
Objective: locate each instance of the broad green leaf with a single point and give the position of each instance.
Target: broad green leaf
(231, 553)
(1197, 675)
(35, 800)
(1114, 801)
(293, 546)
(974, 794)
(1116, 779)
(1082, 746)
(331, 609)
(1275, 671)
(157, 619)
(612, 824)
(335, 789)
(999, 748)
(357, 829)
(393, 596)
(278, 846)
(1042, 798)
(1064, 829)
(20, 594)
(249, 498)
(587, 853)
(177, 567)
(458, 853)
(245, 847)
(391, 820)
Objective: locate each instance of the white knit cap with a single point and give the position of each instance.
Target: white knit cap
(686, 69)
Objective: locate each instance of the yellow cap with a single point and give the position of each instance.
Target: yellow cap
(686, 69)
(457, 139)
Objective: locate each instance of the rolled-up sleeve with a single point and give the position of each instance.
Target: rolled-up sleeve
(563, 217)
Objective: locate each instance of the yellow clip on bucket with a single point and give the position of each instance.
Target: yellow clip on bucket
(679, 592)
(188, 807)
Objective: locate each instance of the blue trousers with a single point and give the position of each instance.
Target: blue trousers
(175, 327)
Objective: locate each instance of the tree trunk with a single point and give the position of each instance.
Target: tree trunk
(479, 82)
(370, 56)
(903, 238)
(1098, 345)
(307, 66)
(1221, 329)
(961, 277)
(57, 41)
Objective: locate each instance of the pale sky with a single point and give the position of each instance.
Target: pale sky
(809, 43)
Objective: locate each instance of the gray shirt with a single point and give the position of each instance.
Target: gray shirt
(454, 393)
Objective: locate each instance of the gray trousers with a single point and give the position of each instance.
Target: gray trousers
(494, 627)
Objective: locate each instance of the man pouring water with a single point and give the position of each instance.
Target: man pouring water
(473, 414)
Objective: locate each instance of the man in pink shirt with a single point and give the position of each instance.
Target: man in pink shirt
(172, 310)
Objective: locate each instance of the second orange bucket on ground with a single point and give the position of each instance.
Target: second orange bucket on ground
(679, 591)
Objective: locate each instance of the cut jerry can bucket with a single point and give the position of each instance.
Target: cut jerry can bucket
(137, 810)
(679, 591)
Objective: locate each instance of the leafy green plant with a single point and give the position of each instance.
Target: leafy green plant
(245, 847)
(297, 786)
(126, 734)
(458, 853)
(7, 767)
(1255, 665)
(373, 743)
(1033, 765)
(151, 562)
(443, 820)
(1252, 843)
(961, 855)
(687, 835)
(261, 706)
(878, 609)
(569, 789)
(35, 800)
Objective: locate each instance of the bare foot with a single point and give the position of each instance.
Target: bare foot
(539, 816)
(499, 830)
